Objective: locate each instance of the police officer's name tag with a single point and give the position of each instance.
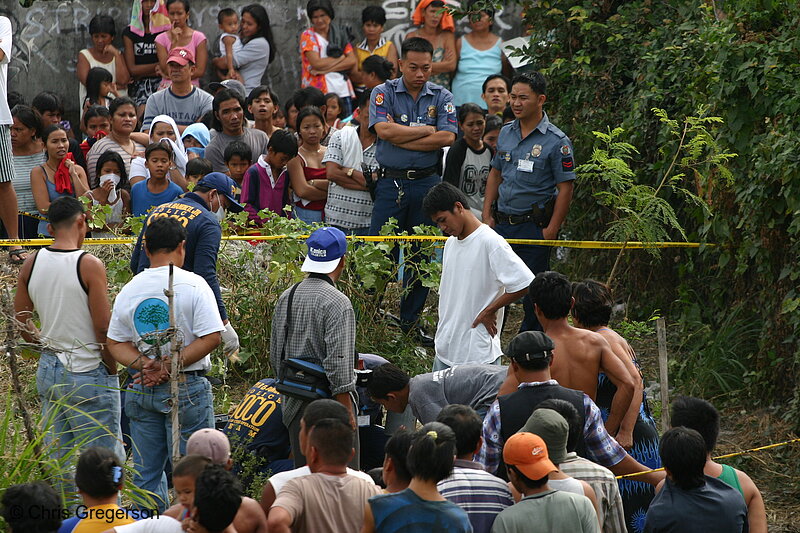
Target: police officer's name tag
(525, 165)
(416, 124)
(363, 420)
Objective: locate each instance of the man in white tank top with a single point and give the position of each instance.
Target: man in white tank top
(77, 377)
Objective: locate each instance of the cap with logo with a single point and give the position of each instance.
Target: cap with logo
(223, 185)
(228, 84)
(326, 246)
(181, 56)
(528, 453)
(530, 346)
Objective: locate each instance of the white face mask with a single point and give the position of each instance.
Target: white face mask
(112, 196)
(220, 213)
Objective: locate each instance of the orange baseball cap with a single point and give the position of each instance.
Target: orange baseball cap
(528, 454)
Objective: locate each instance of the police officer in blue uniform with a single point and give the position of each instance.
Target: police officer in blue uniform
(199, 212)
(530, 185)
(413, 120)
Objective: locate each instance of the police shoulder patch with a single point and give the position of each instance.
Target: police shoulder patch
(449, 108)
(565, 151)
(379, 99)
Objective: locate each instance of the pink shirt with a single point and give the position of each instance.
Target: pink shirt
(198, 38)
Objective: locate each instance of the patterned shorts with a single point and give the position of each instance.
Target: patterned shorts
(6, 157)
(141, 90)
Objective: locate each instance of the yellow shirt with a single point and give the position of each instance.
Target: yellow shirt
(102, 518)
(362, 52)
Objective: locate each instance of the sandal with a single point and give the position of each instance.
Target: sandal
(15, 257)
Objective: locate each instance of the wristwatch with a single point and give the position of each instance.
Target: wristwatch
(350, 172)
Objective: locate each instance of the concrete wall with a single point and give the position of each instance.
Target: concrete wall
(49, 34)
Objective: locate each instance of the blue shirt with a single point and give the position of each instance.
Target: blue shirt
(531, 167)
(406, 512)
(142, 200)
(433, 107)
(203, 235)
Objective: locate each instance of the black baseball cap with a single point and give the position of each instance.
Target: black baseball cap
(530, 346)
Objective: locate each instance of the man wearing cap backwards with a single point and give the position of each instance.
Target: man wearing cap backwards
(322, 331)
(140, 316)
(183, 102)
(230, 125)
(543, 508)
(531, 354)
(199, 212)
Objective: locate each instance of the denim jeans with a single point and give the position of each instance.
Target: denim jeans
(82, 407)
(537, 258)
(151, 428)
(309, 216)
(408, 212)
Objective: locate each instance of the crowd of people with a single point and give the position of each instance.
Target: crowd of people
(441, 132)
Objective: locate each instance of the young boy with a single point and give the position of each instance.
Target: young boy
(263, 104)
(238, 158)
(229, 41)
(96, 124)
(157, 189)
(196, 169)
(373, 19)
(265, 183)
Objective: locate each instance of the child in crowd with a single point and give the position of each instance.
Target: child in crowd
(290, 111)
(265, 183)
(157, 189)
(491, 131)
(112, 190)
(279, 119)
(421, 506)
(469, 159)
(184, 476)
(99, 476)
(262, 104)
(238, 158)
(99, 87)
(96, 124)
(333, 111)
(229, 42)
(103, 54)
(307, 173)
(197, 168)
(373, 18)
(195, 138)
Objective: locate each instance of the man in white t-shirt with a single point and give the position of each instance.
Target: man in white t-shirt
(137, 338)
(481, 274)
(314, 412)
(8, 198)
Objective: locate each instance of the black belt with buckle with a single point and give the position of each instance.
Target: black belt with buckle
(410, 174)
(503, 218)
(200, 373)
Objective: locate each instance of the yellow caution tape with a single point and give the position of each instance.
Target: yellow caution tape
(598, 245)
(726, 456)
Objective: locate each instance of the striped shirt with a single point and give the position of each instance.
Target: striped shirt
(23, 164)
(604, 483)
(322, 330)
(482, 495)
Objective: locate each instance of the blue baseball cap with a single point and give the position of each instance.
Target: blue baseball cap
(225, 186)
(326, 246)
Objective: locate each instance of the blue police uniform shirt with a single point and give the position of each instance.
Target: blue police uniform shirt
(433, 107)
(203, 235)
(531, 167)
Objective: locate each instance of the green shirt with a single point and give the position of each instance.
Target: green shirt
(552, 511)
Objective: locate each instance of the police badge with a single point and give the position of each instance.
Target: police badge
(536, 151)
(431, 111)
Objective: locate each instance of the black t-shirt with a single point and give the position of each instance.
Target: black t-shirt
(144, 47)
(258, 424)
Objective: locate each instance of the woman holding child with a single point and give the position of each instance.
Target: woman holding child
(257, 48)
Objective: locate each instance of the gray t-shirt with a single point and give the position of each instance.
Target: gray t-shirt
(473, 385)
(184, 110)
(257, 140)
(553, 511)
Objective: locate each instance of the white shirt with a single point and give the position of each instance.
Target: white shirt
(282, 478)
(335, 81)
(5, 46)
(157, 524)
(141, 308)
(475, 271)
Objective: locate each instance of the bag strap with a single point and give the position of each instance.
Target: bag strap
(288, 320)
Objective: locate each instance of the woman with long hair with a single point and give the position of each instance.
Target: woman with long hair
(99, 86)
(28, 152)
(307, 174)
(123, 123)
(111, 191)
(58, 176)
(258, 47)
(102, 54)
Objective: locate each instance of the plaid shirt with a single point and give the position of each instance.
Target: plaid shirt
(604, 483)
(600, 446)
(322, 331)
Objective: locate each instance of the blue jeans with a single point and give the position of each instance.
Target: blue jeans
(82, 407)
(537, 258)
(309, 216)
(151, 428)
(408, 213)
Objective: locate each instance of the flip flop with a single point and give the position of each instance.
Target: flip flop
(15, 257)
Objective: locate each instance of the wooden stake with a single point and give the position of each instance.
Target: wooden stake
(661, 331)
(174, 350)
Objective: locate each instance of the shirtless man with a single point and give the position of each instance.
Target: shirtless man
(579, 354)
